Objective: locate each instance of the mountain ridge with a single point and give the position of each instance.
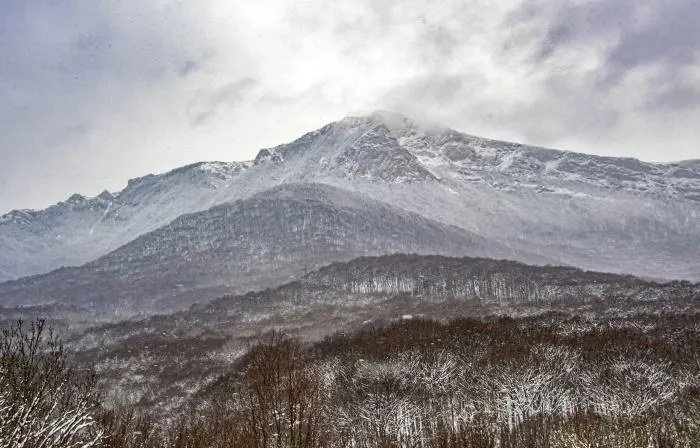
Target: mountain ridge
(262, 155)
(570, 207)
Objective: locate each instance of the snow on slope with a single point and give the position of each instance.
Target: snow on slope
(599, 213)
(602, 213)
(81, 229)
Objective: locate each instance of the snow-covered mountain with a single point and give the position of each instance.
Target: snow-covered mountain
(609, 214)
(81, 229)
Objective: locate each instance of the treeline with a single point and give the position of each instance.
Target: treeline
(437, 276)
(544, 381)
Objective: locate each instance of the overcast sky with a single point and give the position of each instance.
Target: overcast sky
(93, 93)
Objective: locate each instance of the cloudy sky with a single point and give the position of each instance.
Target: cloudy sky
(95, 92)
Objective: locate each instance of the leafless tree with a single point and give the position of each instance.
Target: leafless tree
(43, 403)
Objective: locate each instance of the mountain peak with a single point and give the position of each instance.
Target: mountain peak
(17, 217)
(76, 199)
(106, 196)
(267, 155)
(354, 147)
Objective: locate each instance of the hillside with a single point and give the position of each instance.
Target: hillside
(245, 245)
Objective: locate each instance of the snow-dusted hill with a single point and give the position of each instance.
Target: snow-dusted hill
(162, 357)
(245, 245)
(602, 213)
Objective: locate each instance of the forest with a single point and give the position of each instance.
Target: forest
(547, 380)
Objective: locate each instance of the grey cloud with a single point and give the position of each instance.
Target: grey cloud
(441, 99)
(206, 105)
(196, 63)
(188, 67)
(430, 42)
(567, 22)
(426, 92)
(313, 95)
(672, 36)
(557, 36)
(546, 42)
(644, 32)
(78, 80)
(437, 44)
(563, 111)
(657, 42)
(675, 96)
(64, 134)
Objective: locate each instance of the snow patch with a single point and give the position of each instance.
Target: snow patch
(507, 162)
(551, 166)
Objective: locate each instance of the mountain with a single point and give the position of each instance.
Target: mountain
(599, 213)
(245, 245)
(81, 229)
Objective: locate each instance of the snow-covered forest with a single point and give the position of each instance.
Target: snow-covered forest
(545, 381)
(393, 351)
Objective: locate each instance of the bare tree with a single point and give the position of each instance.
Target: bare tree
(43, 403)
(281, 397)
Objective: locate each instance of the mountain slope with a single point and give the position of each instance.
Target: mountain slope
(81, 229)
(600, 213)
(245, 245)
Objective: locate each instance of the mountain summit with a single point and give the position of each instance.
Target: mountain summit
(355, 147)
